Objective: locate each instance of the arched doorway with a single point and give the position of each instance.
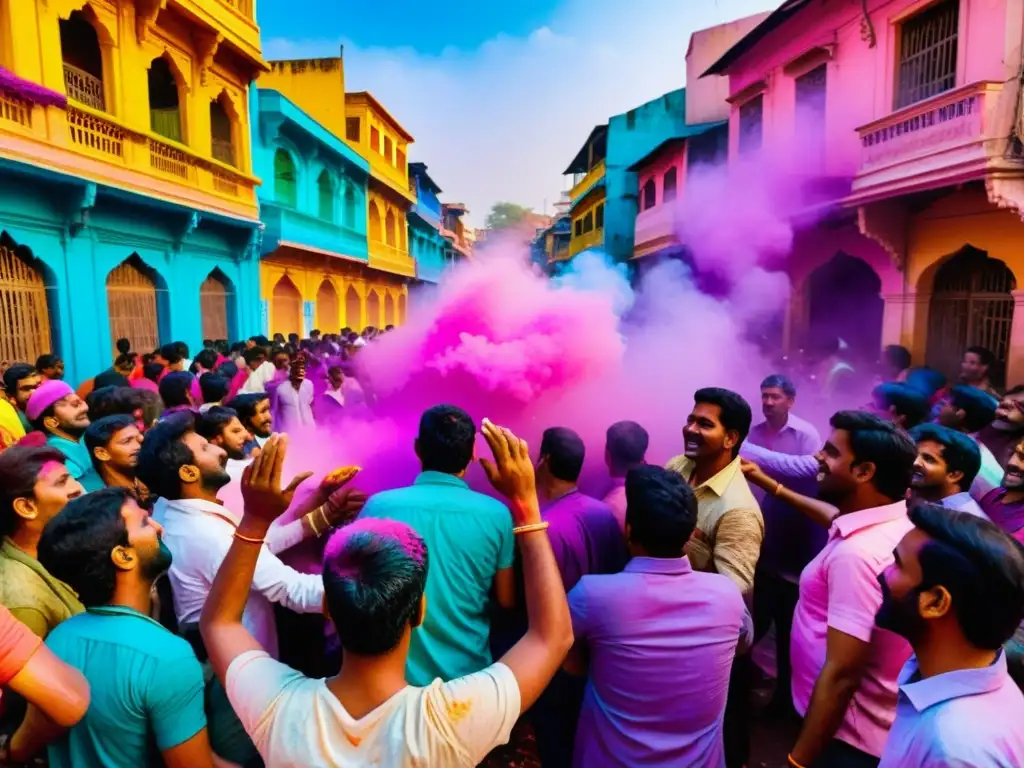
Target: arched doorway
(373, 308)
(389, 309)
(353, 309)
(24, 316)
(287, 311)
(164, 106)
(214, 296)
(401, 309)
(971, 304)
(374, 220)
(390, 235)
(222, 145)
(132, 304)
(844, 302)
(83, 60)
(325, 196)
(285, 179)
(327, 308)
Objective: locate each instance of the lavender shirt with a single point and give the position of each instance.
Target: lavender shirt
(584, 536)
(970, 718)
(661, 638)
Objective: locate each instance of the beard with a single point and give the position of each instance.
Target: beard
(159, 564)
(214, 480)
(899, 615)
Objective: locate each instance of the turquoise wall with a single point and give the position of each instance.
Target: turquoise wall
(76, 232)
(426, 245)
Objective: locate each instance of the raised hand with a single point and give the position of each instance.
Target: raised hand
(343, 505)
(755, 475)
(265, 499)
(511, 473)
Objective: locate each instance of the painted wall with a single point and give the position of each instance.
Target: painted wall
(317, 85)
(426, 243)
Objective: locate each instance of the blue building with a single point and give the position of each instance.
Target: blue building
(426, 243)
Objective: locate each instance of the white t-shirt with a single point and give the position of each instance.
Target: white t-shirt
(296, 721)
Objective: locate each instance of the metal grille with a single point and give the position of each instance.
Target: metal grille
(752, 124)
(928, 50)
(327, 308)
(971, 305)
(811, 90)
(213, 303)
(131, 302)
(287, 307)
(24, 317)
(84, 87)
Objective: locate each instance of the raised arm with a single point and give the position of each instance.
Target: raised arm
(813, 509)
(781, 466)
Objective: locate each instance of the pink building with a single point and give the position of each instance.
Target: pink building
(911, 109)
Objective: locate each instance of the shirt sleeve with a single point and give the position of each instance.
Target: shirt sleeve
(283, 536)
(781, 466)
(176, 702)
(32, 618)
(282, 584)
(507, 550)
(253, 681)
(738, 546)
(578, 610)
(17, 644)
(481, 709)
(854, 595)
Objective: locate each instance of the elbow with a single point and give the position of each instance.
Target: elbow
(77, 703)
(843, 680)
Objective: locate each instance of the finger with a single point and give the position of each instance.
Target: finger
(489, 431)
(297, 481)
(522, 450)
(255, 465)
(247, 474)
(266, 460)
(489, 469)
(501, 449)
(277, 468)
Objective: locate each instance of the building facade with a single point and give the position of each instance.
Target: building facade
(916, 105)
(427, 246)
(127, 198)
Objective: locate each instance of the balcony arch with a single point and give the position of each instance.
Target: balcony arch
(325, 195)
(85, 44)
(844, 301)
(286, 190)
(327, 307)
(668, 185)
(216, 303)
(374, 222)
(165, 82)
(649, 196)
(349, 207)
(353, 309)
(287, 307)
(224, 130)
(26, 296)
(390, 228)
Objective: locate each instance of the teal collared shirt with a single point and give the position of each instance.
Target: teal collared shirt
(469, 539)
(78, 462)
(146, 686)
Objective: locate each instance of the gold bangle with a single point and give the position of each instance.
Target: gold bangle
(312, 524)
(793, 763)
(247, 539)
(323, 516)
(530, 528)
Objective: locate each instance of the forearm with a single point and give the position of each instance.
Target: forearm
(829, 701)
(546, 608)
(813, 509)
(33, 735)
(781, 466)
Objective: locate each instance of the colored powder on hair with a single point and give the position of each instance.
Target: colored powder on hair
(366, 533)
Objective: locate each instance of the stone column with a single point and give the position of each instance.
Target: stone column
(1015, 354)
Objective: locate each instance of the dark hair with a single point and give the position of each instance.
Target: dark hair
(20, 466)
(925, 380)
(445, 440)
(905, 400)
(374, 575)
(626, 443)
(778, 381)
(245, 405)
(212, 422)
(238, 346)
(565, 452)
(152, 371)
(897, 357)
(170, 353)
(125, 360)
(253, 354)
(960, 452)
(260, 341)
(315, 332)
(110, 401)
(99, 433)
(164, 453)
(979, 406)
(101, 402)
(176, 389)
(985, 355)
(123, 346)
(75, 546)
(46, 361)
(213, 386)
(661, 510)
(981, 567)
(227, 370)
(735, 411)
(16, 373)
(110, 378)
(883, 444)
(206, 358)
(182, 348)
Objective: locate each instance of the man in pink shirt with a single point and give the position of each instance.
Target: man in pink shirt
(844, 669)
(625, 447)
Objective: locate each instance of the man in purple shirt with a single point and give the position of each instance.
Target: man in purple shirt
(659, 639)
(790, 539)
(956, 592)
(625, 447)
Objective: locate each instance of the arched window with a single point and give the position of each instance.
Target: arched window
(325, 196)
(83, 61)
(132, 304)
(400, 318)
(285, 187)
(287, 308)
(374, 220)
(668, 186)
(214, 296)
(353, 309)
(390, 234)
(588, 222)
(164, 108)
(389, 309)
(222, 147)
(649, 195)
(327, 307)
(349, 207)
(23, 307)
(373, 308)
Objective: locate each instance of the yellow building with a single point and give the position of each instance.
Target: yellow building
(588, 193)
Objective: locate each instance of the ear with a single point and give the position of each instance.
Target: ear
(189, 473)
(421, 612)
(864, 471)
(934, 603)
(124, 558)
(955, 476)
(101, 454)
(24, 508)
(51, 423)
(732, 439)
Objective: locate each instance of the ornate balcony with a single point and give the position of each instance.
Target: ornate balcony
(655, 229)
(594, 175)
(592, 239)
(391, 258)
(84, 88)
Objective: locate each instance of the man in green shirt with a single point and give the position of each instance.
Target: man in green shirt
(146, 683)
(34, 486)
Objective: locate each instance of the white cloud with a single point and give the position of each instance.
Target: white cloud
(502, 121)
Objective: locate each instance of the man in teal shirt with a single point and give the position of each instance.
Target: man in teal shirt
(147, 686)
(57, 411)
(469, 538)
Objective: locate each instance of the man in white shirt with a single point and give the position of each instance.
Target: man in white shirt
(185, 470)
(374, 576)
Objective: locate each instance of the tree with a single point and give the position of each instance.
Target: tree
(506, 215)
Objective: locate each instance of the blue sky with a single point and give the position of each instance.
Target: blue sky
(500, 96)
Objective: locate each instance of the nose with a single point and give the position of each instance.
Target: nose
(159, 528)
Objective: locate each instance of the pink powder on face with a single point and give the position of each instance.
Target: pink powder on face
(336, 556)
(50, 470)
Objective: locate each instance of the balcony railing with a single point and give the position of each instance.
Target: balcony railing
(85, 88)
(946, 139)
(223, 150)
(592, 239)
(592, 176)
(95, 135)
(391, 258)
(170, 160)
(15, 110)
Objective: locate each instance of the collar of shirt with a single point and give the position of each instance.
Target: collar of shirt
(927, 692)
(720, 482)
(845, 525)
(201, 507)
(122, 610)
(664, 565)
(555, 502)
(956, 500)
(73, 450)
(429, 477)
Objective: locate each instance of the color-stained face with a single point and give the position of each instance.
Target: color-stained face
(1010, 413)
(72, 414)
(261, 423)
(336, 376)
(704, 434)
(1013, 478)
(25, 388)
(54, 488)
(281, 360)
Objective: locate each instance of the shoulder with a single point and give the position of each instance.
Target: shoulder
(679, 464)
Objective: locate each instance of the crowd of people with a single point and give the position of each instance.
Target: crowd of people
(148, 617)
